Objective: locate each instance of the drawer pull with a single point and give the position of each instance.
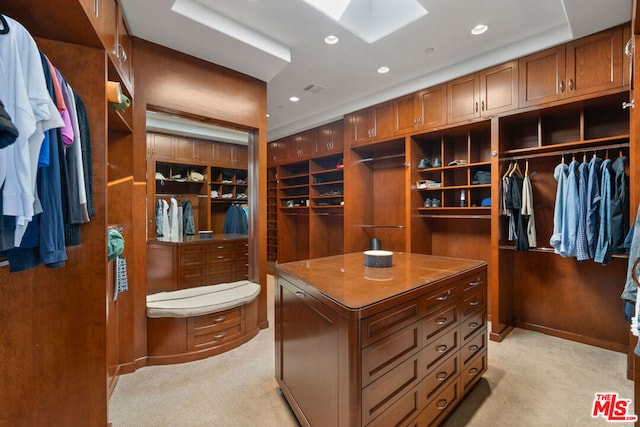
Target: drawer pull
(444, 297)
(219, 336)
(442, 404)
(442, 321)
(220, 256)
(476, 282)
(473, 347)
(441, 348)
(474, 303)
(473, 325)
(219, 320)
(473, 371)
(441, 376)
(301, 294)
(220, 247)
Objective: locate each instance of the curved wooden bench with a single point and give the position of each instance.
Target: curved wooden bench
(195, 323)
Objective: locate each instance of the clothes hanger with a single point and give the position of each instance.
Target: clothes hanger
(526, 167)
(4, 26)
(508, 171)
(516, 170)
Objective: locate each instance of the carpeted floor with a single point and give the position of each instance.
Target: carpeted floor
(532, 380)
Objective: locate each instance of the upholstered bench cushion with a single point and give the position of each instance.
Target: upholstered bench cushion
(201, 300)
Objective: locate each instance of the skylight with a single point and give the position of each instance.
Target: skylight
(370, 20)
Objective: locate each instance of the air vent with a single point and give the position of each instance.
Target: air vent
(313, 88)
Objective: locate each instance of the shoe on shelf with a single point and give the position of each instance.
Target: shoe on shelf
(437, 162)
(424, 164)
(340, 164)
(435, 203)
(428, 203)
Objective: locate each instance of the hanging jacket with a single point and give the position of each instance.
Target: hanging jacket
(604, 247)
(188, 223)
(619, 206)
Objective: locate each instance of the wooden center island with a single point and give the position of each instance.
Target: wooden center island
(396, 346)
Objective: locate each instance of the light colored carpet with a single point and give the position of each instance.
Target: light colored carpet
(532, 380)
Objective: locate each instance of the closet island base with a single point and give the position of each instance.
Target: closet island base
(360, 346)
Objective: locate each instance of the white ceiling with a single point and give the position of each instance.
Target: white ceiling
(291, 53)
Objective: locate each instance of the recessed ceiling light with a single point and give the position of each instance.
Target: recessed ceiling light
(331, 39)
(429, 50)
(294, 99)
(479, 29)
(268, 115)
(383, 70)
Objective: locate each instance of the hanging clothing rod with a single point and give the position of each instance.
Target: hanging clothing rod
(180, 196)
(456, 216)
(390, 156)
(565, 152)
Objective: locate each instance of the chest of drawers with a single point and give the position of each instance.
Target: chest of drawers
(402, 355)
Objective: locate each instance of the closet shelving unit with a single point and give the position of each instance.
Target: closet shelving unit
(326, 216)
(293, 211)
(272, 216)
(539, 289)
(375, 176)
(547, 137)
(231, 182)
(470, 143)
(184, 188)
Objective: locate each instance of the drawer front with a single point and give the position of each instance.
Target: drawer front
(221, 256)
(474, 281)
(218, 277)
(442, 404)
(474, 299)
(386, 390)
(440, 320)
(383, 355)
(219, 267)
(440, 377)
(385, 323)
(441, 347)
(213, 339)
(209, 323)
(473, 346)
(473, 324)
(403, 413)
(227, 248)
(441, 297)
(193, 255)
(472, 373)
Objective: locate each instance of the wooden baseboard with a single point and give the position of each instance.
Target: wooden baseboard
(621, 348)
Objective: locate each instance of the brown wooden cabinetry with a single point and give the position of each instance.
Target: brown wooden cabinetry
(230, 155)
(213, 187)
(462, 152)
(371, 124)
(585, 66)
(160, 146)
(405, 354)
(432, 106)
(272, 216)
(329, 139)
(302, 145)
(539, 141)
(488, 92)
(192, 262)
